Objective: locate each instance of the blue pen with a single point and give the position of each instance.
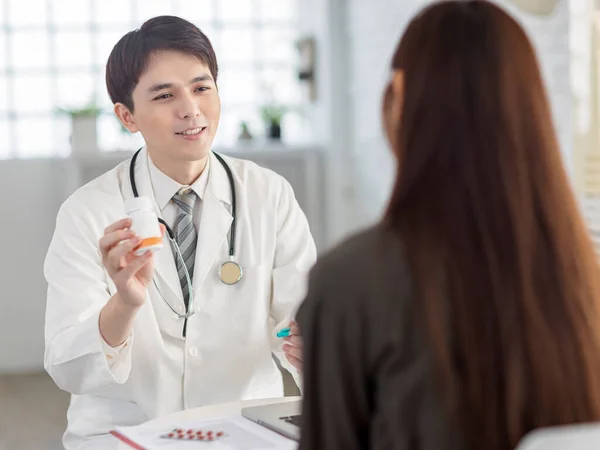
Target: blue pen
(285, 332)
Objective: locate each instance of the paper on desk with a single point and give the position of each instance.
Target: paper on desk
(240, 433)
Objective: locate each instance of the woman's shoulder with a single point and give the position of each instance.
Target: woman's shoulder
(368, 256)
(361, 284)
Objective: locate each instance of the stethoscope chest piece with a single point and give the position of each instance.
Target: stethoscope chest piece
(230, 272)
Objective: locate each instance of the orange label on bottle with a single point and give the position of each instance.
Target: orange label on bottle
(150, 241)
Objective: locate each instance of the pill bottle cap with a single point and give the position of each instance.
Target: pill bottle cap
(138, 203)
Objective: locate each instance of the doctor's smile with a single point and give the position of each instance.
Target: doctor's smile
(138, 329)
(191, 133)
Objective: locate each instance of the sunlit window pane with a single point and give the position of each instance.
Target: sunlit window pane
(3, 59)
(108, 132)
(277, 10)
(236, 46)
(102, 96)
(71, 12)
(148, 9)
(237, 86)
(232, 117)
(62, 135)
(5, 136)
(236, 11)
(32, 94)
(128, 142)
(210, 32)
(111, 12)
(296, 127)
(74, 91)
(26, 13)
(105, 42)
(34, 137)
(73, 49)
(3, 94)
(257, 64)
(226, 132)
(25, 44)
(281, 85)
(111, 137)
(196, 11)
(277, 44)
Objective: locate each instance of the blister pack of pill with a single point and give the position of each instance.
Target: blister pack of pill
(194, 434)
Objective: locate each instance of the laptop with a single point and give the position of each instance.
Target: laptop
(283, 418)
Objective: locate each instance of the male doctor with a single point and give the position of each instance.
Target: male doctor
(116, 340)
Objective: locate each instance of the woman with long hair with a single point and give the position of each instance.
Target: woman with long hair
(470, 315)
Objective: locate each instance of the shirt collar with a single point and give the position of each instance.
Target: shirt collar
(165, 187)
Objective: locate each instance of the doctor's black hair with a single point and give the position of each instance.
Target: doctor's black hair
(131, 55)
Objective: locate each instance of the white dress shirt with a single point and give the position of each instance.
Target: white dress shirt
(165, 188)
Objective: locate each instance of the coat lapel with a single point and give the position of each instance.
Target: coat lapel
(215, 223)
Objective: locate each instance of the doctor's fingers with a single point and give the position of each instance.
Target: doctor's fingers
(290, 350)
(115, 255)
(118, 225)
(108, 241)
(294, 328)
(133, 266)
(294, 340)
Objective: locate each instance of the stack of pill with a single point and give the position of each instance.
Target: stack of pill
(194, 434)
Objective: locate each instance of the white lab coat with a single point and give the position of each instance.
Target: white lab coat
(227, 354)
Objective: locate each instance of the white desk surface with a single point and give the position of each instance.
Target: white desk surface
(210, 412)
(580, 437)
(565, 437)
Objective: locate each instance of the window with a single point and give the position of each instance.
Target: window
(585, 86)
(53, 55)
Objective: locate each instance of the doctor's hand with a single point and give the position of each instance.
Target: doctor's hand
(131, 273)
(293, 347)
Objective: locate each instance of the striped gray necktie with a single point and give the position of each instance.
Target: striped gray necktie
(186, 237)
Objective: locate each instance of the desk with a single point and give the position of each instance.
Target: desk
(585, 436)
(210, 412)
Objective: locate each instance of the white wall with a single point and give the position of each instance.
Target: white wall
(331, 112)
(31, 194)
(550, 37)
(373, 29)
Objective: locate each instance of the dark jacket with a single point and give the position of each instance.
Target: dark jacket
(367, 373)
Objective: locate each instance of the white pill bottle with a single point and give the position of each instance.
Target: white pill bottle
(144, 223)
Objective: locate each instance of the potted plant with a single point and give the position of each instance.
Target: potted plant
(272, 115)
(245, 134)
(83, 127)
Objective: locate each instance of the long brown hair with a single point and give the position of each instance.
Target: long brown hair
(505, 271)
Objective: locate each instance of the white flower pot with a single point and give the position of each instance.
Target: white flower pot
(84, 134)
(536, 7)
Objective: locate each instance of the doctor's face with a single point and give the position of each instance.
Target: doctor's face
(176, 107)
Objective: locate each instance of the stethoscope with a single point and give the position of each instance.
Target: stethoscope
(230, 272)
